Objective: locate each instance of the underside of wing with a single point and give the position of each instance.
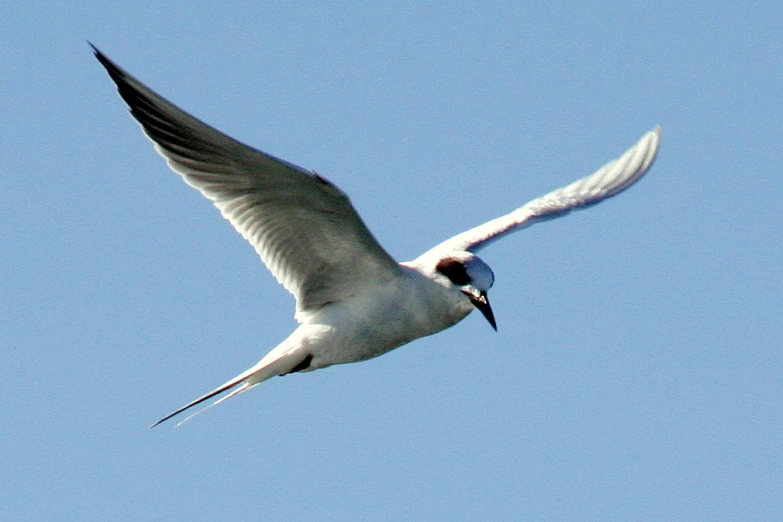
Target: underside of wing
(608, 181)
(303, 227)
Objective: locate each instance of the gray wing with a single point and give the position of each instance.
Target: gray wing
(608, 181)
(303, 227)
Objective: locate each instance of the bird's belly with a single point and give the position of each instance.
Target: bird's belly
(372, 327)
(360, 340)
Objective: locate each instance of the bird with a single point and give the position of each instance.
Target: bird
(353, 300)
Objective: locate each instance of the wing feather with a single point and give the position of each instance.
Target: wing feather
(304, 228)
(611, 179)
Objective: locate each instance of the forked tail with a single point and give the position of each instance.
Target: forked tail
(248, 379)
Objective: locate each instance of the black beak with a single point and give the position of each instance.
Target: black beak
(482, 303)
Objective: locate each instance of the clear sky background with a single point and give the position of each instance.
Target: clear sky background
(637, 372)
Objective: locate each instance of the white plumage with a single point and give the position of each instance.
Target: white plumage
(353, 300)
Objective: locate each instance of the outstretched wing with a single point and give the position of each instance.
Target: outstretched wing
(608, 181)
(304, 228)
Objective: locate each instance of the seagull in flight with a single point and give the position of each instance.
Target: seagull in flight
(353, 300)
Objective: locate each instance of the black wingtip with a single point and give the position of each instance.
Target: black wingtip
(97, 52)
(114, 70)
(108, 64)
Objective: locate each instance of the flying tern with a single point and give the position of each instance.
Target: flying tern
(353, 300)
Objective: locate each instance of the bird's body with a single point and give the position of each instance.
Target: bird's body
(354, 302)
(377, 320)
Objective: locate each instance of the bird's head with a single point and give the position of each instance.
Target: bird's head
(471, 276)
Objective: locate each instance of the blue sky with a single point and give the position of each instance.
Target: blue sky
(637, 369)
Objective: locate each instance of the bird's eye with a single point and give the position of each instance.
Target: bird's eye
(454, 270)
